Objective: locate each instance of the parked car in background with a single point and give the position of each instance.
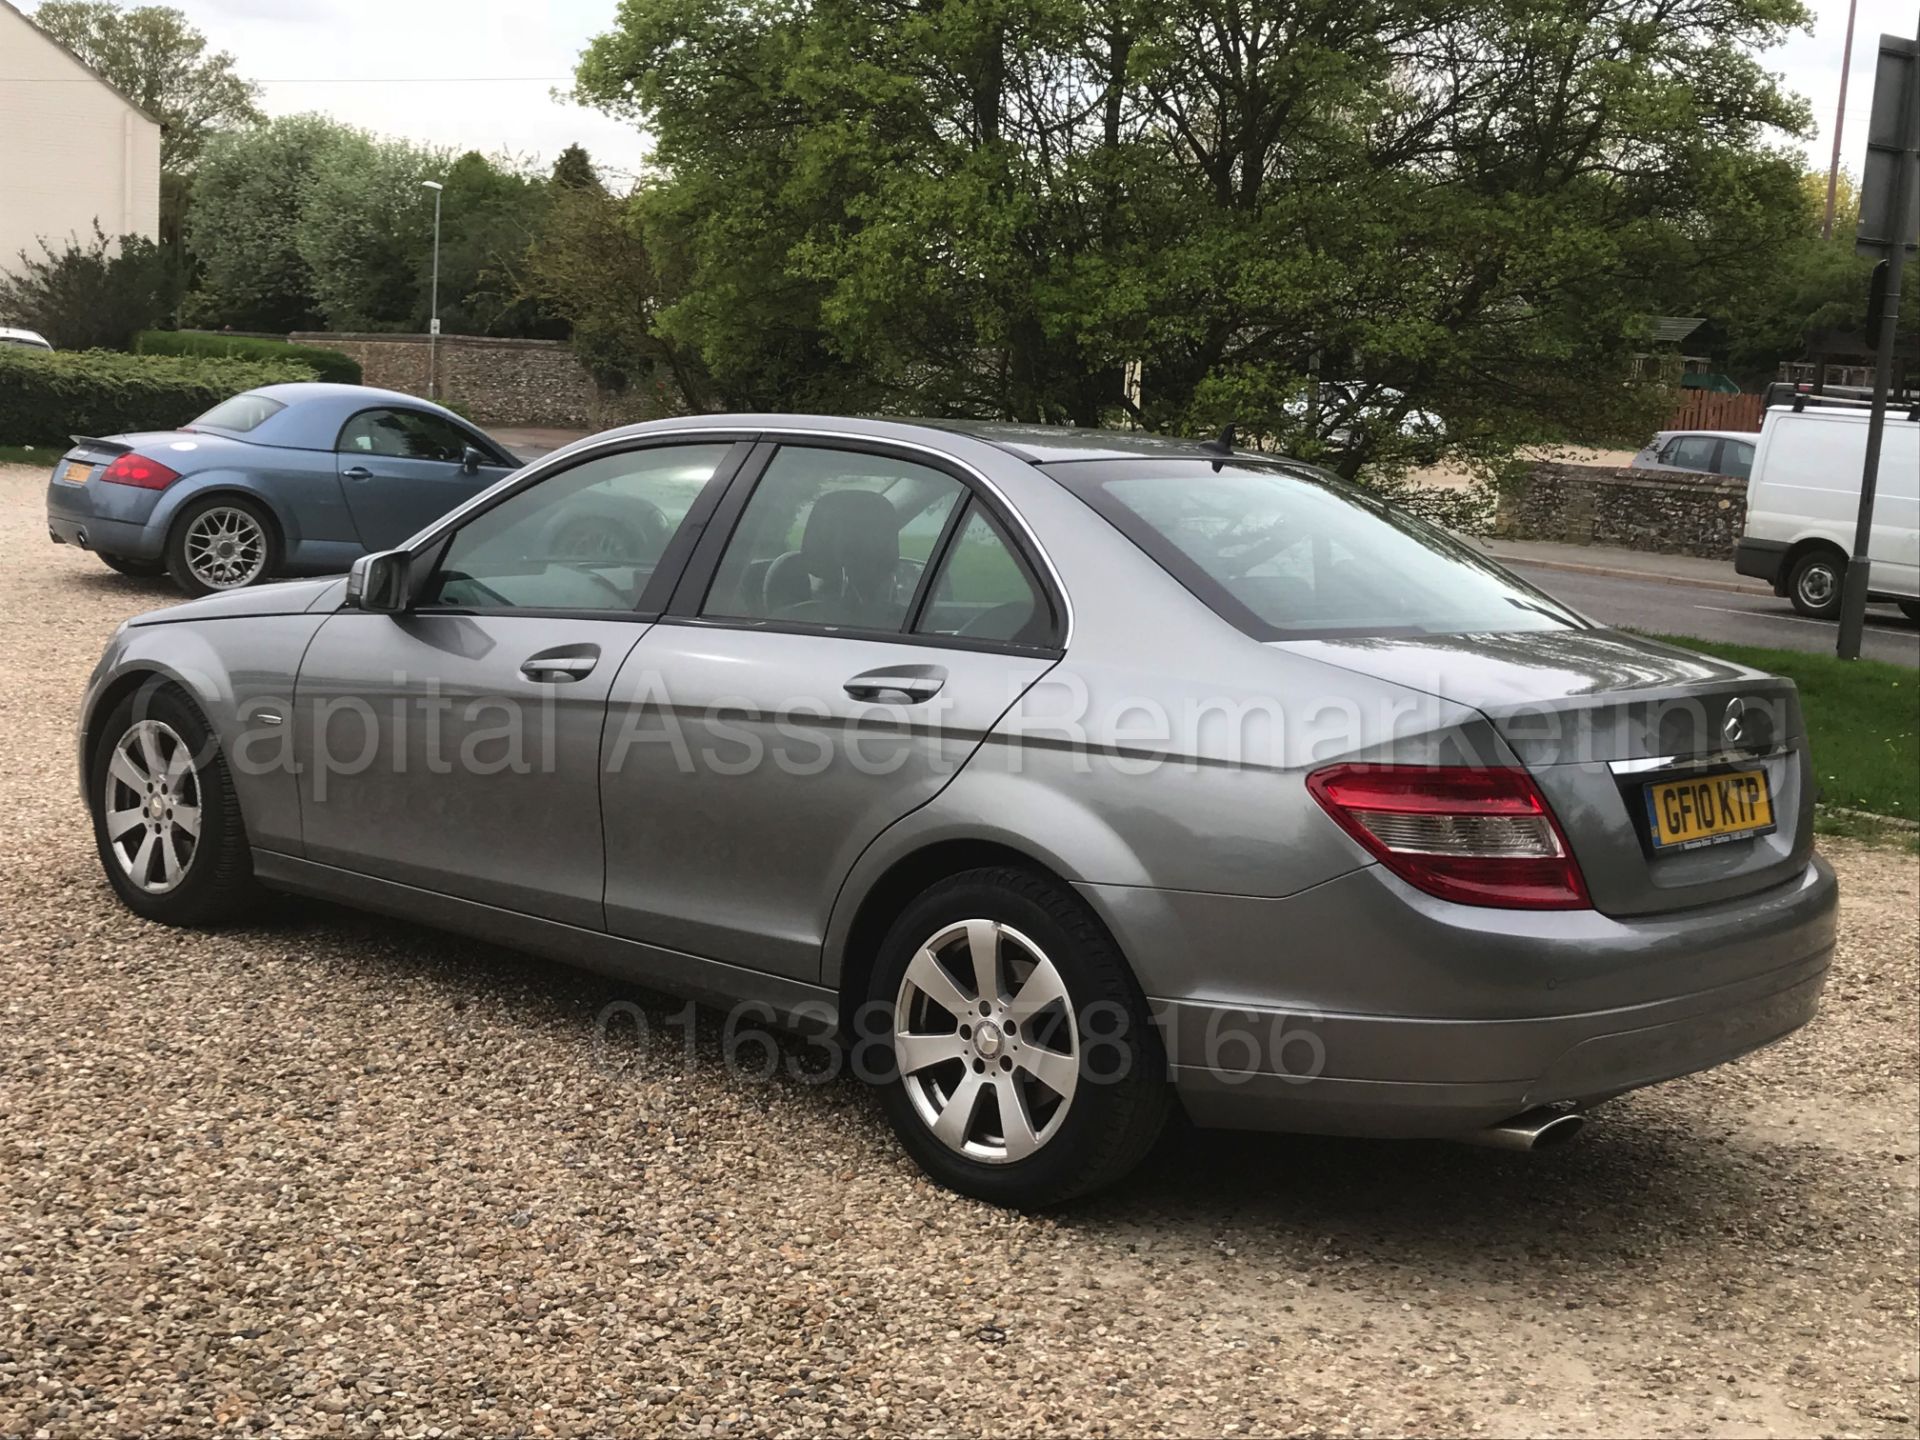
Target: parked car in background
(1349, 410)
(27, 339)
(294, 479)
(863, 735)
(1803, 504)
(1712, 452)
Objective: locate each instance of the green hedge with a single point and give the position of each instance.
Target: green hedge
(45, 396)
(327, 364)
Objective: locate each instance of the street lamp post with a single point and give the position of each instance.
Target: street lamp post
(433, 321)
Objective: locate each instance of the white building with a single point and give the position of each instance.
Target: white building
(73, 149)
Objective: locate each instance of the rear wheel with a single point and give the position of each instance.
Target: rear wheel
(221, 543)
(165, 817)
(1815, 582)
(140, 569)
(1020, 1064)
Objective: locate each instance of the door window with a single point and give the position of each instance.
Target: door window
(586, 538)
(1736, 459)
(982, 591)
(1689, 452)
(833, 538)
(403, 434)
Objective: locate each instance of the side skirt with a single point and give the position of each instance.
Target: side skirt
(813, 1009)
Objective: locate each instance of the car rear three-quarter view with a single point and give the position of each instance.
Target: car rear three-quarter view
(1069, 776)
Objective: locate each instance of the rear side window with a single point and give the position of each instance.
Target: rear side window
(982, 591)
(242, 413)
(1736, 459)
(1287, 557)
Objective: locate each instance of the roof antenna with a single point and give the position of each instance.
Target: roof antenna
(1221, 444)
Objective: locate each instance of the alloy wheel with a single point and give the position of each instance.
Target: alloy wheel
(225, 548)
(151, 808)
(986, 1041)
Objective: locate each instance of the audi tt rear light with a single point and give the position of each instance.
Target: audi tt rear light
(1475, 836)
(138, 470)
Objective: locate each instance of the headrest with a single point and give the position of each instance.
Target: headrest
(851, 533)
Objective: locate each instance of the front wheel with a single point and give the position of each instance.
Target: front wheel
(1024, 1069)
(221, 543)
(165, 817)
(1815, 583)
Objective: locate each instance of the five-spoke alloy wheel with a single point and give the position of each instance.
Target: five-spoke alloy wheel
(165, 816)
(1020, 1063)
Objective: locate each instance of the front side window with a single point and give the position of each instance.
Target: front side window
(1690, 452)
(240, 414)
(586, 538)
(1285, 557)
(833, 538)
(982, 591)
(403, 434)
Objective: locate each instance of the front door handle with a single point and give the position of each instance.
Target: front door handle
(900, 685)
(356, 472)
(555, 667)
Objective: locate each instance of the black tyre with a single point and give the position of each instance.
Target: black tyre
(1814, 583)
(165, 817)
(222, 543)
(1050, 1087)
(139, 569)
(1911, 609)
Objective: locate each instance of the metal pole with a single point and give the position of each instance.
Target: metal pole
(433, 325)
(1853, 595)
(1839, 121)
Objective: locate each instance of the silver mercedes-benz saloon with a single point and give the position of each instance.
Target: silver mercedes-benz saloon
(1061, 777)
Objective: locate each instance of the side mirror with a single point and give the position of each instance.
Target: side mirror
(471, 460)
(378, 582)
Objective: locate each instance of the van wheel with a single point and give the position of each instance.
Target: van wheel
(1815, 582)
(1016, 1058)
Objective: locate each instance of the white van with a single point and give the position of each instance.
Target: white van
(1804, 496)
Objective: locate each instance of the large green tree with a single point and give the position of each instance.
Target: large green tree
(154, 56)
(1468, 207)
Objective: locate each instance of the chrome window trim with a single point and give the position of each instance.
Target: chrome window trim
(590, 448)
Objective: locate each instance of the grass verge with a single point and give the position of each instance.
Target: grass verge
(1863, 720)
(29, 455)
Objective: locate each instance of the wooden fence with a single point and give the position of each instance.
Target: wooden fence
(1708, 410)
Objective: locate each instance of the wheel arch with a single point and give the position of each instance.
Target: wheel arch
(284, 530)
(1805, 546)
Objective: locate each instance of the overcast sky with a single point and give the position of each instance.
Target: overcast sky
(479, 74)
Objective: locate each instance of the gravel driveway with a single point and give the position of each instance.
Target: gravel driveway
(335, 1175)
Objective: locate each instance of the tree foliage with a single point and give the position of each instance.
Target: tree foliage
(1468, 207)
(91, 295)
(157, 59)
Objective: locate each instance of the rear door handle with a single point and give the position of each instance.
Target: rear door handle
(356, 472)
(557, 667)
(902, 685)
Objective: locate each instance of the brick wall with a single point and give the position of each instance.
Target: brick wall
(1674, 514)
(495, 382)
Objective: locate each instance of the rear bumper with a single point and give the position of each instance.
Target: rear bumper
(1546, 1008)
(1762, 559)
(110, 518)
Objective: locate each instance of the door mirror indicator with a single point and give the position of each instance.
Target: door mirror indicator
(471, 460)
(378, 582)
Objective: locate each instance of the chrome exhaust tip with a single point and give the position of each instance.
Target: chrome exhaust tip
(1538, 1129)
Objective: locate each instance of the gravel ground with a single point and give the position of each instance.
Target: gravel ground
(334, 1175)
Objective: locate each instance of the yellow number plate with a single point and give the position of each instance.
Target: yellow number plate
(1682, 814)
(75, 472)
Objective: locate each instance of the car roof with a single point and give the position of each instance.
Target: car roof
(34, 335)
(359, 396)
(1747, 435)
(1045, 443)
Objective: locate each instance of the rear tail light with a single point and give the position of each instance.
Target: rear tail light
(1476, 836)
(138, 470)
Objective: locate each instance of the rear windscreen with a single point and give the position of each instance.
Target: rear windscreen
(241, 413)
(1285, 556)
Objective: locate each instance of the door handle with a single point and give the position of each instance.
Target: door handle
(356, 472)
(906, 685)
(555, 669)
